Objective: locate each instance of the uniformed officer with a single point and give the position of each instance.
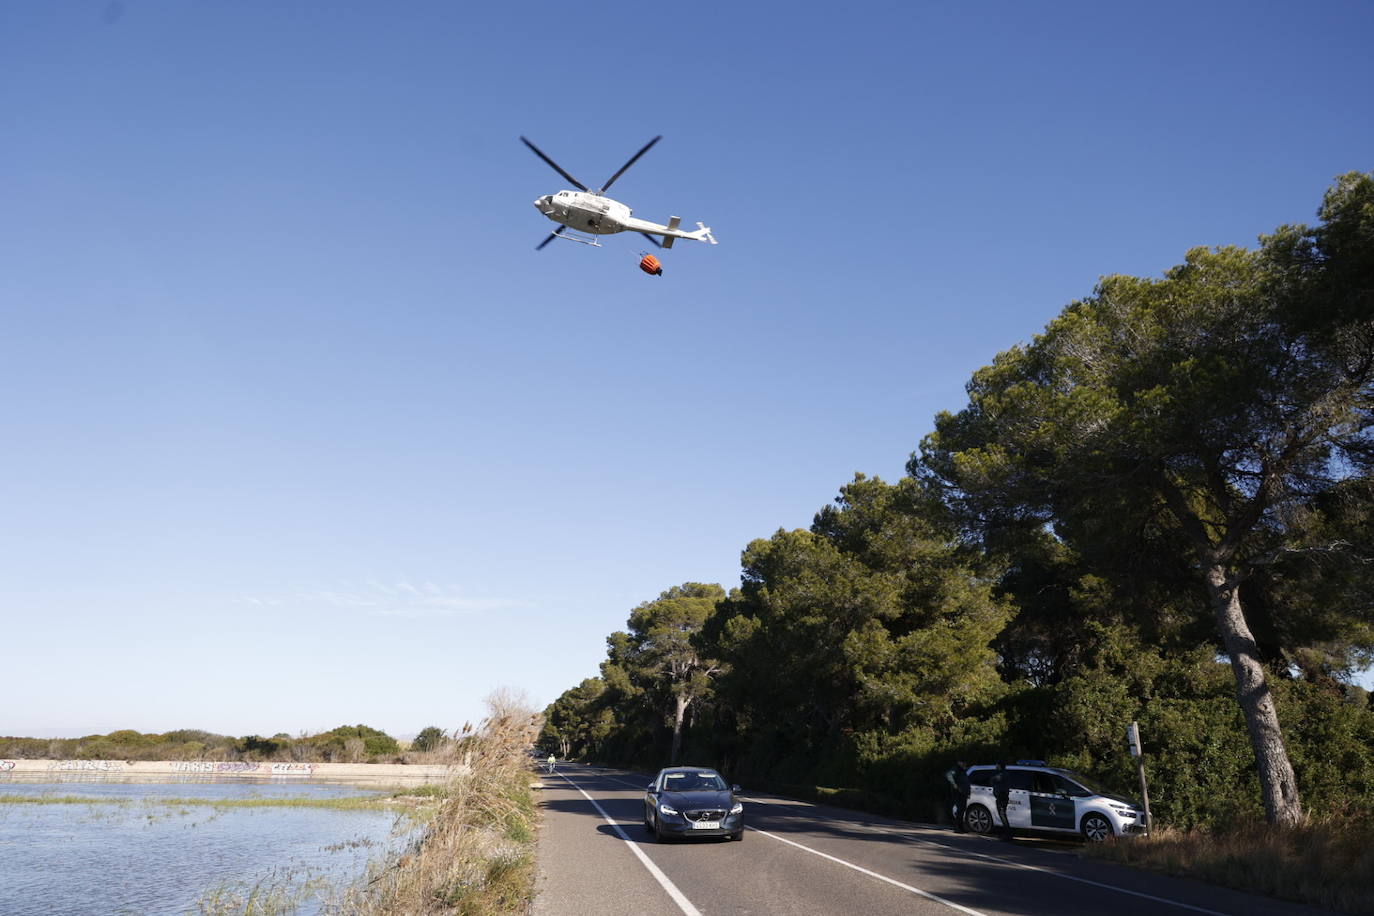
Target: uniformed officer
(1001, 793)
(957, 777)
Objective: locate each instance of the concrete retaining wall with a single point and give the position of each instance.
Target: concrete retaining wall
(162, 769)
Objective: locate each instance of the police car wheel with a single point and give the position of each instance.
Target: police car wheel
(978, 819)
(1096, 828)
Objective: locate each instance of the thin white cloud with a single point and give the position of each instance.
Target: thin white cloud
(373, 583)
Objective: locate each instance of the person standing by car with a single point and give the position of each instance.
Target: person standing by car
(1001, 794)
(957, 777)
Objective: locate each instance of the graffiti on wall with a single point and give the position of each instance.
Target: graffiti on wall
(6, 765)
(236, 766)
(293, 769)
(209, 766)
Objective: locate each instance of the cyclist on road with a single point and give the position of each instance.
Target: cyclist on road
(552, 761)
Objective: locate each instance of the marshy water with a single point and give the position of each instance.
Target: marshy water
(186, 846)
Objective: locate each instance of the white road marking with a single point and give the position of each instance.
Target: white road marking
(903, 833)
(872, 874)
(1055, 874)
(682, 902)
(894, 831)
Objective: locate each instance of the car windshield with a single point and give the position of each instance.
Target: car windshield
(692, 782)
(1092, 785)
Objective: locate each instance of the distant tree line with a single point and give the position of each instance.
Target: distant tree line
(345, 744)
(1160, 510)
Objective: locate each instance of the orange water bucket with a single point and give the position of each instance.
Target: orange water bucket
(650, 265)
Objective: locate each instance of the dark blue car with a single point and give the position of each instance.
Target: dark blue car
(692, 801)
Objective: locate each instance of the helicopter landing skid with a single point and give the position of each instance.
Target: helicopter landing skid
(581, 238)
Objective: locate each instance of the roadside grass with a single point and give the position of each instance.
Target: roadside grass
(476, 855)
(1326, 862)
(281, 892)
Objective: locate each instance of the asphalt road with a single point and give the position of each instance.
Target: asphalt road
(596, 858)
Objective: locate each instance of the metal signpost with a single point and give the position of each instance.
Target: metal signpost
(1133, 741)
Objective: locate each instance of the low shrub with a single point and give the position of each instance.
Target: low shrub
(1326, 862)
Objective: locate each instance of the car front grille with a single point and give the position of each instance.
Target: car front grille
(705, 814)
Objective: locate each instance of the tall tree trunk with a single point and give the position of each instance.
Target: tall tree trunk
(681, 701)
(1278, 786)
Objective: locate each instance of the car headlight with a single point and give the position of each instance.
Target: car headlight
(739, 806)
(665, 809)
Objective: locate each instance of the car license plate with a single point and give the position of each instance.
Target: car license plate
(705, 825)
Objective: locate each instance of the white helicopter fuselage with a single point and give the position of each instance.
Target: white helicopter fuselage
(593, 213)
(586, 212)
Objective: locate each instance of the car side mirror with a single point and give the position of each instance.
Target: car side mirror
(734, 789)
(650, 790)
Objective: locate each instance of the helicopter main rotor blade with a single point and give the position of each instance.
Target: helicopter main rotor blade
(657, 243)
(552, 235)
(558, 168)
(633, 160)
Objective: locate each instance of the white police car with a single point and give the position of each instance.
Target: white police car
(1051, 800)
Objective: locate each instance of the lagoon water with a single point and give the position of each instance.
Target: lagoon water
(142, 855)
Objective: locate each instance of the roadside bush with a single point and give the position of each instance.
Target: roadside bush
(1328, 862)
(476, 857)
(430, 738)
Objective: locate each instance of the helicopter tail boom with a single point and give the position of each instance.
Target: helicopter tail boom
(671, 231)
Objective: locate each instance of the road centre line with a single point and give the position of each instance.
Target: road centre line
(872, 874)
(682, 902)
(1035, 868)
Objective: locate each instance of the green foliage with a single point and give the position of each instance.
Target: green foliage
(653, 681)
(129, 738)
(1203, 416)
(253, 747)
(1332, 738)
(430, 738)
(875, 621)
(195, 744)
(578, 722)
(1063, 561)
(348, 742)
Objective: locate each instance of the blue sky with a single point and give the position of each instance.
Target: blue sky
(301, 430)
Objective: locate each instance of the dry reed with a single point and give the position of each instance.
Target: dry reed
(476, 857)
(1327, 862)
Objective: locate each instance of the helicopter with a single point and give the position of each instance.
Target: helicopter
(585, 214)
